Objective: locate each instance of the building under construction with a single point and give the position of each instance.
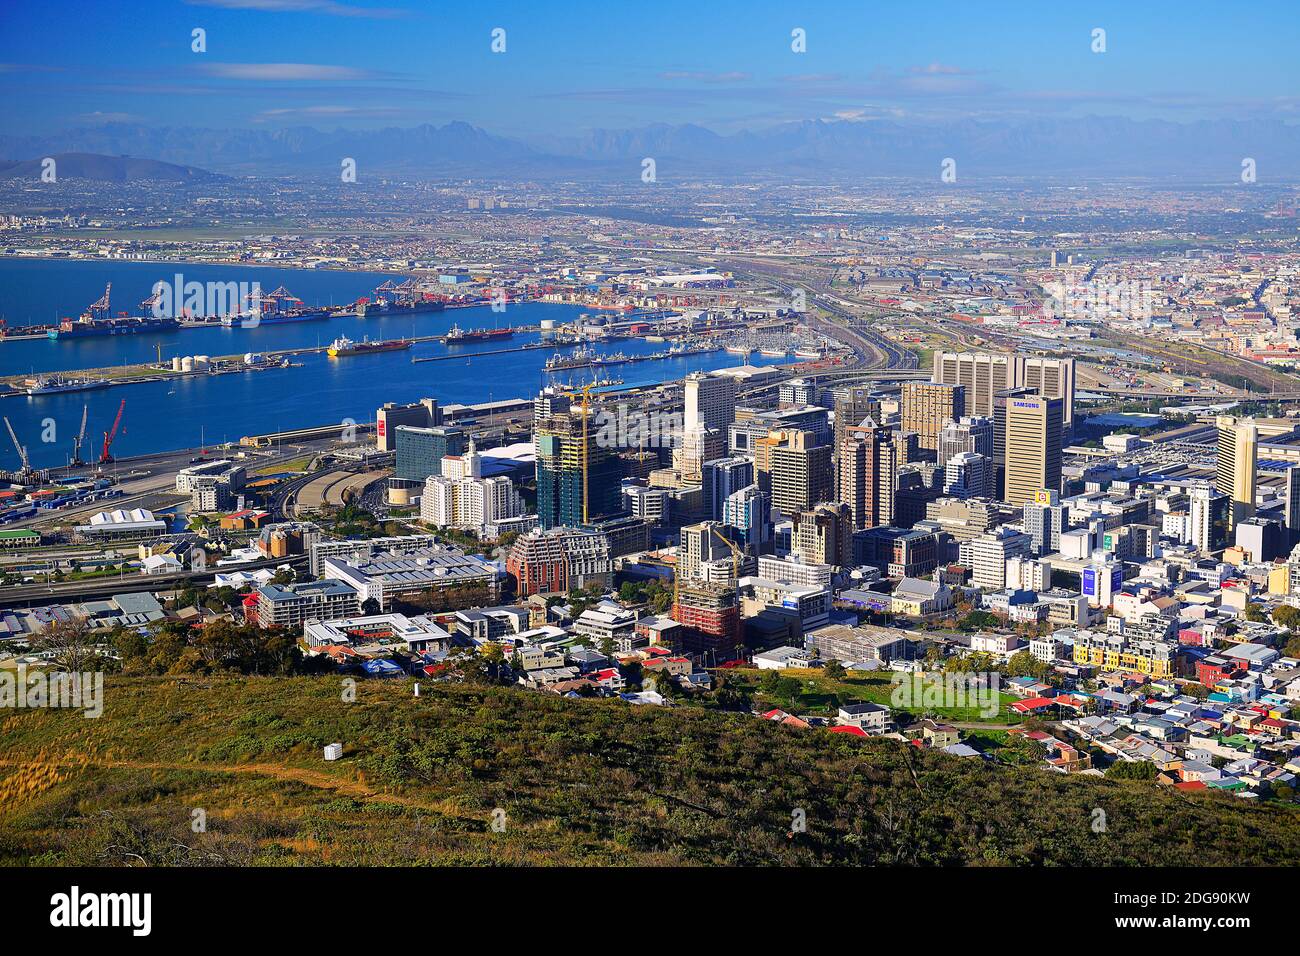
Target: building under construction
(578, 480)
(710, 618)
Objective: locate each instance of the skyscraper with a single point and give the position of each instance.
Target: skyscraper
(1045, 518)
(928, 405)
(970, 433)
(710, 401)
(1292, 511)
(1033, 447)
(723, 477)
(968, 475)
(853, 404)
(1238, 461)
(984, 374)
(578, 480)
(798, 470)
(868, 474)
(824, 534)
(749, 512)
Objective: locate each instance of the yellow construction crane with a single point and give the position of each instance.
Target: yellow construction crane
(586, 457)
(737, 556)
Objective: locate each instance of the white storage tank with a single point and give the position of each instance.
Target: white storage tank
(187, 363)
(176, 363)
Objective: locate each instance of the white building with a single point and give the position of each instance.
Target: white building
(462, 498)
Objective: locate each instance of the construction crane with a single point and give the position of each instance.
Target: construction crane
(21, 448)
(737, 556)
(104, 456)
(80, 440)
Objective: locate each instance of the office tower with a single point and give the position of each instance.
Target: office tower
(550, 401)
(868, 474)
(420, 451)
(797, 392)
(1045, 519)
(1292, 510)
(749, 512)
(853, 404)
(700, 544)
(699, 444)
(986, 373)
(1210, 517)
(968, 475)
(578, 480)
(983, 374)
(987, 556)
(824, 534)
(1238, 462)
(927, 406)
(970, 434)
(1033, 447)
(710, 401)
(422, 414)
(798, 470)
(723, 477)
(1053, 378)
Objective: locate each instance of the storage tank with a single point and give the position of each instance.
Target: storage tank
(187, 363)
(176, 363)
(548, 324)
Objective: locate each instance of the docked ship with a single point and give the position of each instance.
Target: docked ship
(345, 346)
(403, 298)
(56, 384)
(458, 336)
(98, 319)
(578, 358)
(273, 308)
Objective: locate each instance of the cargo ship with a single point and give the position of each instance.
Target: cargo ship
(57, 384)
(99, 320)
(273, 308)
(402, 299)
(457, 336)
(345, 346)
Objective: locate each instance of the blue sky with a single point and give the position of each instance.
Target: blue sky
(573, 66)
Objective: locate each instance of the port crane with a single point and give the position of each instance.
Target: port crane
(105, 457)
(80, 440)
(21, 448)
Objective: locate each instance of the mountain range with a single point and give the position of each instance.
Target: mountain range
(1111, 147)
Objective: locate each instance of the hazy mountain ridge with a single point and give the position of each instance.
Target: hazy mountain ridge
(1109, 146)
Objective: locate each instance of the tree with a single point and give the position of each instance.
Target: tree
(834, 670)
(70, 644)
(1286, 615)
(1132, 770)
(1255, 613)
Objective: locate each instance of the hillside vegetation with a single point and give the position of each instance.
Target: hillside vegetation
(577, 782)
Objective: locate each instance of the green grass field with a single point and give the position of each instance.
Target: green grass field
(588, 782)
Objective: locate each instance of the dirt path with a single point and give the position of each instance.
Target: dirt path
(310, 778)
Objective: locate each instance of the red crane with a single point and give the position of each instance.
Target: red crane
(104, 456)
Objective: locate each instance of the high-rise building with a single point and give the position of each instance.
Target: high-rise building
(1210, 517)
(1033, 447)
(824, 534)
(798, 470)
(710, 401)
(797, 392)
(1045, 519)
(986, 373)
(701, 544)
(722, 478)
(1238, 462)
(749, 512)
(853, 405)
(699, 444)
(710, 618)
(970, 434)
(927, 406)
(968, 475)
(868, 474)
(420, 451)
(1292, 492)
(983, 374)
(422, 414)
(578, 480)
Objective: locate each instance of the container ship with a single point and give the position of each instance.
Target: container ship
(99, 320)
(402, 299)
(457, 336)
(274, 308)
(345, 346)
(56, 384)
